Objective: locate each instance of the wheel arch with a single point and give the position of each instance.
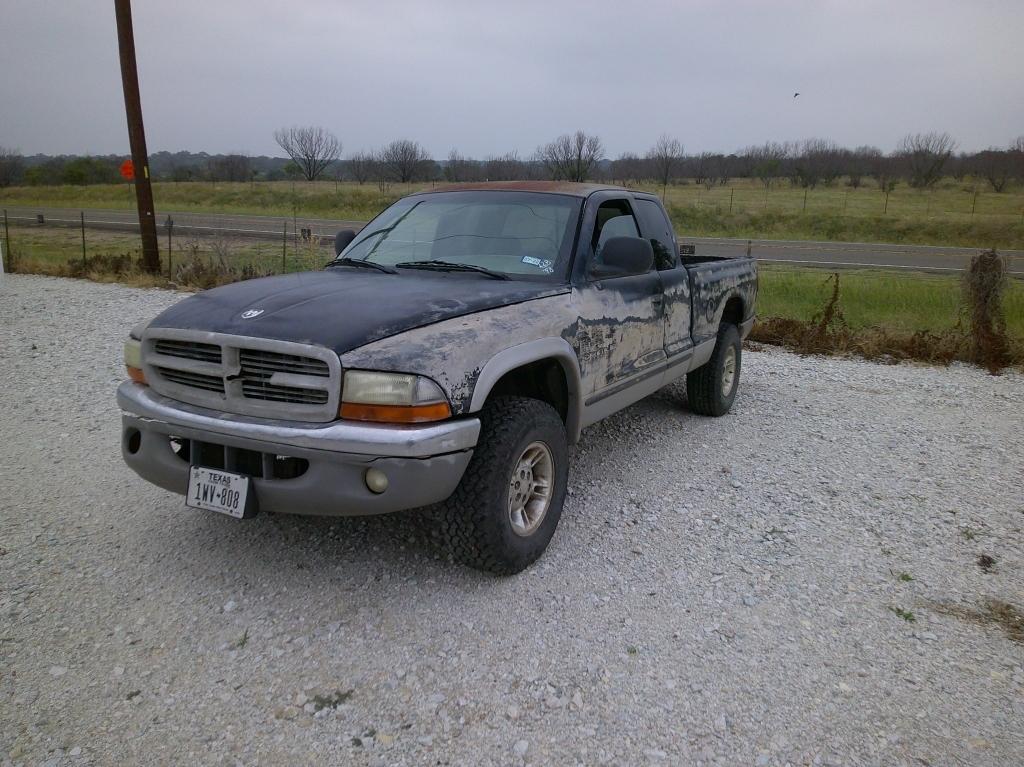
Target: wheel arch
(734, 309)
(525, 356)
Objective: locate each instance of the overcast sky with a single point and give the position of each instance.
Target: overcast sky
(487, 78)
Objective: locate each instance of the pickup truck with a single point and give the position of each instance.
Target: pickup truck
(446, 358)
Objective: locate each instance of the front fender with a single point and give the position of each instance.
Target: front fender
(467, 355)
(539, 349)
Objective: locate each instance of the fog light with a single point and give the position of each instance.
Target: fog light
(376, 480)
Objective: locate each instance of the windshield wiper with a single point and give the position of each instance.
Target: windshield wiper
(359, 262)
(451, 266)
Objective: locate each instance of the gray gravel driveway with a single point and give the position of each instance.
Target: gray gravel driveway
(798, 582)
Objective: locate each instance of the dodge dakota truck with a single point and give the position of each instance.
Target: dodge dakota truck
(446, 358)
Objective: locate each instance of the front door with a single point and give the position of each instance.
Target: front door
(621, 331)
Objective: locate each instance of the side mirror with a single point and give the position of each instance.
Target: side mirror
(623, 256)
(342, 239)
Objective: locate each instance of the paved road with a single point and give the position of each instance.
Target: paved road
(804, 252)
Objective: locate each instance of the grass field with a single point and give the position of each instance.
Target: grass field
(58, 252)
(956, 214)
(897, 301)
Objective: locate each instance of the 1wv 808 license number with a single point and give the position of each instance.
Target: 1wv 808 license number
(218, 491)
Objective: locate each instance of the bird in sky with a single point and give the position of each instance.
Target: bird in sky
(796, 94)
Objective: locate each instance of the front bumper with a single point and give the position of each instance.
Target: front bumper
(424, 463)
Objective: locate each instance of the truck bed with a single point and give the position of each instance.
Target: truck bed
(713, 279)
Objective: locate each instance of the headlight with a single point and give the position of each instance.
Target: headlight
(133, 360)
(392, 398)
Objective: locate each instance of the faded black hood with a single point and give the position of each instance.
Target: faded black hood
(345, 308)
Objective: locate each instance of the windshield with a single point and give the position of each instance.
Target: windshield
(516, 233)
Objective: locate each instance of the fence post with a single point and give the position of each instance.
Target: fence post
(85, 260)
(170, 253)
(885, 208)
(295, 227)
(284, 249)
(805, 199)
(974, 204)
(731, 193)
(6, 237)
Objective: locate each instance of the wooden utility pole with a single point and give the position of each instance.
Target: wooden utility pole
(137, 136)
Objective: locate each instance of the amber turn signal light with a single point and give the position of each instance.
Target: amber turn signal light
(137, 375)
(354, 411)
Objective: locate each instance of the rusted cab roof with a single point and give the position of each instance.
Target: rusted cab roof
(576, 189)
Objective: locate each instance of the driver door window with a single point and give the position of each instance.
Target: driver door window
(614, 219)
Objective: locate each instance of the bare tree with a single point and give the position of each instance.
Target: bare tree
(859, 163)
(230, 167)
(925, 155)
(766, 161)
(459, 168)
(312, 148)
(572, 156)
(505, 167)
(1017, 158)
(627, 168)
(12, 166)
(403, 160)
(664, 159)
(701, 169)
(360, 166)
(815, 161)
(995, 166)
(725, 166)
(959, 165)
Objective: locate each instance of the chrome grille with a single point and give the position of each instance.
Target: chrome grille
(251, 376)
(260, 362)
(189, 350)
(198, 380)
(261, 389)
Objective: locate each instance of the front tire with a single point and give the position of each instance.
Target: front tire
(711, 388)
(503, 514)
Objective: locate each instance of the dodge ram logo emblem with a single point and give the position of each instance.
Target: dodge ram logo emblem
(248, 314)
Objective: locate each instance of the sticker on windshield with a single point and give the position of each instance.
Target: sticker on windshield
(541, 263)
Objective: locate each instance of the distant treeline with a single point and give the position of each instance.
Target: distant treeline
(920, 161)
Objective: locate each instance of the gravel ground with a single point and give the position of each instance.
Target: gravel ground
(736, 590)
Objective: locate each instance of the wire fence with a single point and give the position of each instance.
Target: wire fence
(964, 203)
(109, 241)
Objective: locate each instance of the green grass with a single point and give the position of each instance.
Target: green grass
(900, 301)
(58, 251)
(318, 199)
(906, 615)
(951, 214)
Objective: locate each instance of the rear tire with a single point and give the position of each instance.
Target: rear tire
(711, 388)
(503, 514)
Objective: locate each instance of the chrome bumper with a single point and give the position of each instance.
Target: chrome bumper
(424, 464)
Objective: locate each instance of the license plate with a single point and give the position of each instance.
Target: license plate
(217, 491)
